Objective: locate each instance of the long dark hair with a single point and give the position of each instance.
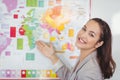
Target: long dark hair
(104, 52)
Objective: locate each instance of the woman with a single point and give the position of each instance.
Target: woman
(95, 62)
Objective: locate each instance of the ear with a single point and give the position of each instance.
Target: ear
(99, 44)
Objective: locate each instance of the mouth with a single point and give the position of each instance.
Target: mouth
(80, 40)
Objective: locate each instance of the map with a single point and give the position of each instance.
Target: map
(4, 42)
(23, 22)
(10, 4)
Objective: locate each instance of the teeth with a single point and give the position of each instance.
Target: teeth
(81, 40)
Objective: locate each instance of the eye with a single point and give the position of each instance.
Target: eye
(92, 34)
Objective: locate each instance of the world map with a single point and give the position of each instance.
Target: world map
(23, 22)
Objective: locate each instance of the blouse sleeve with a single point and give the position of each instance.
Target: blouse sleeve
(62, 71)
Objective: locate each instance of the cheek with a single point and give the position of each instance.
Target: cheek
(92, 42)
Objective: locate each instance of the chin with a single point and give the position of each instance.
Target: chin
(77, 45)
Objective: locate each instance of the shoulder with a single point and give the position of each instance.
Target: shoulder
(91, 70)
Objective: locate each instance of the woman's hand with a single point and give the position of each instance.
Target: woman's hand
(47, 50)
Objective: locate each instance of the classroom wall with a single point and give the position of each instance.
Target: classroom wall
(109, 10)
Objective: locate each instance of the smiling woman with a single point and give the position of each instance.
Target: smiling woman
(95, 61)
(88, 36)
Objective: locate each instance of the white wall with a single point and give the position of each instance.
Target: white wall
(109, 10)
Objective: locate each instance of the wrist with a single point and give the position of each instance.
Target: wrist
(53, 58)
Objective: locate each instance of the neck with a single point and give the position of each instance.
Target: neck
(85, 53)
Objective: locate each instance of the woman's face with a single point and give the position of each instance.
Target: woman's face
(88, 36)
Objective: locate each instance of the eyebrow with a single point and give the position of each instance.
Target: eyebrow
(90, 31)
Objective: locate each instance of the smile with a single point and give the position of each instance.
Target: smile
(81, 40)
